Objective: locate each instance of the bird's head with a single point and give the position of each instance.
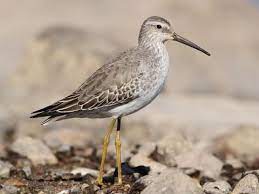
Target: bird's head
(158, 29)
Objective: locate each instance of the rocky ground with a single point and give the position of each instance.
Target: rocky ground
(199, 137)
(172, 164)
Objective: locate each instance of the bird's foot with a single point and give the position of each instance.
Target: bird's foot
(99, 181)
(118, 182)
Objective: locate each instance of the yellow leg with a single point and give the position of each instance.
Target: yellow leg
(118, 156)
(104, 153)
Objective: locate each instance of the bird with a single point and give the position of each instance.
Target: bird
(122, 86)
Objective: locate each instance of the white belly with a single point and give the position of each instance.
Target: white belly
(147, 97)
(130, 107)
(138, 103)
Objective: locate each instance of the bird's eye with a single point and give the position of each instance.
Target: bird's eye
(158, 26)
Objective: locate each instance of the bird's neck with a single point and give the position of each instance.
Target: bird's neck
(158, 54)
(156, 47)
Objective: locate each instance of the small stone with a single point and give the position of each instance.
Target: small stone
(64, 192)
(217, 187)
(172, 181)
(249, 184)
(234, 162)
(5, 168)
(9, 189)
(75, 190)
(136, 175)
(255, 172)
(191, 171)
(23, 162)
(96, 188)
(100, 192)
(35, 150)
(206, 163)
(155, 167)
(64, 148)
(27, 171)
(60, 173)
(146, 180)
(237, 176)
(171, 146)
(242, 143)
(41, 192)
(27, 128)
(84, 171)
(143, 158)
(84, 186)
(147, 149)
(72, 137)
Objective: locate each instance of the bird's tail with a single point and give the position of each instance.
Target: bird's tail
(59, 109)
(49, 112)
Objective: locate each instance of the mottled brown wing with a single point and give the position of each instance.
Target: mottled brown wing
(113, 84)
(111, 97)
(107, 98)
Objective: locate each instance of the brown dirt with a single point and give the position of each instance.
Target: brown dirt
(52, 179)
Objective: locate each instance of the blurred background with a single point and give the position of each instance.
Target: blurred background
(48, 48)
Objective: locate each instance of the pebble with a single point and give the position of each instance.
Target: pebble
(172, 181)
(41, 192)
(84, 171)
(101, 192)
(242, 143)
(255, 172)
(75, 190)
(27, 171)
(35, 150)
(143, 158)
(217, 187)
(5, 168)
(249, 184)
(84, 186)
(234, 162)
(171, 146)
(206, 163)
(64, 148)
(64, 192)
(67, 136)
(9, 189)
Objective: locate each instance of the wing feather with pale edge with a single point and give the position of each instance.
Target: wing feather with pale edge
(112, 85)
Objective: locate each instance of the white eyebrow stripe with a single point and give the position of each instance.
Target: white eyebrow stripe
(157, 23)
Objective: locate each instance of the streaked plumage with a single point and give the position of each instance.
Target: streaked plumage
(122, 86)
(136, 76)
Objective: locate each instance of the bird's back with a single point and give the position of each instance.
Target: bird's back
(116, 83)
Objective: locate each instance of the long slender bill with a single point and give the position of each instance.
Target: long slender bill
(183, 40)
